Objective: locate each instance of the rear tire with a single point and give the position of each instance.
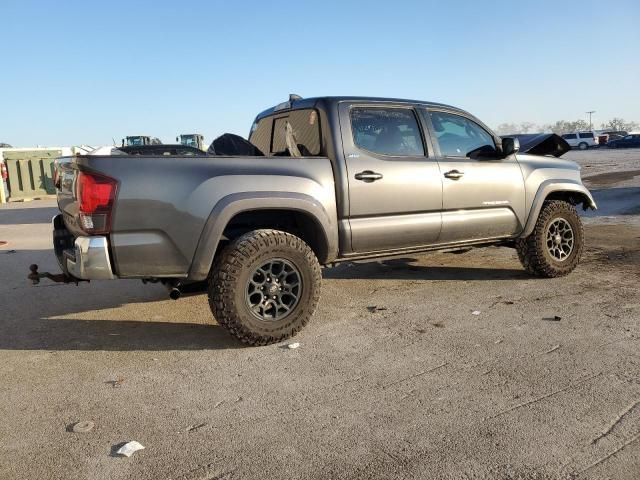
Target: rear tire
(265, 286)
(554, 247)
(583, 146)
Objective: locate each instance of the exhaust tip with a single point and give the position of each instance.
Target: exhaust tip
(174, 294)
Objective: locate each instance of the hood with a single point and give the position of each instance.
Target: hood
(542, 144)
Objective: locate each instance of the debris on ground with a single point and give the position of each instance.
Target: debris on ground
(193, 428)
(81, 427)
(293, 346)
(476, 312)
(117, 383)
(6, 252)
(375, 308)
(129, 448)
(438, 324)
(553, 349)
(498, 341)
(555, 318)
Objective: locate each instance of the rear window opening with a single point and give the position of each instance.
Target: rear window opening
(295, 133)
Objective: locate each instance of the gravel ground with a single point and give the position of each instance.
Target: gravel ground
(395, 377)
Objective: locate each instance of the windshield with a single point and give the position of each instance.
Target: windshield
(135, 141)
(188, 140)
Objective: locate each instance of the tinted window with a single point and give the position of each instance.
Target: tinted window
(569, 136)
(586, 135)
(260, 135)
(305, 129)
(387, 131)
(458, 136)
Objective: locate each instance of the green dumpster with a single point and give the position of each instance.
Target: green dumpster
(30, 173)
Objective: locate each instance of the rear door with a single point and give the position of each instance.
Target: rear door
(587, 137)
(483, 194)
(395, 186)
(571, 138)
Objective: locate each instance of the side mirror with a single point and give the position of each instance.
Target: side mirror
(510, 145)
(177, 139)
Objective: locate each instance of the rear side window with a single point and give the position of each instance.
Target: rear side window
(569, 136)
(387, 131)
(304, 131)
(260, 135)
(458, 136)
(586, 135)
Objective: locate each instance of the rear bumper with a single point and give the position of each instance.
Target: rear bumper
(87, 258)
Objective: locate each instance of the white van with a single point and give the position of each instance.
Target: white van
(581, 140)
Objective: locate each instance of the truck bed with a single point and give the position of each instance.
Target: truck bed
(164, 203)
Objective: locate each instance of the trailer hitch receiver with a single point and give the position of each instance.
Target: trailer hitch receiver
(35, 276)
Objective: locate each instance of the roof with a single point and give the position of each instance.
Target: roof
(313, 101)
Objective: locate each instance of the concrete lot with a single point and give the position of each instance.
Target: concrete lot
(395, 377)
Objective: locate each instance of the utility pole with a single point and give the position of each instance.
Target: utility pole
(590, 112)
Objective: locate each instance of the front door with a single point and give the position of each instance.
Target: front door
(483, 193)
(395, 186)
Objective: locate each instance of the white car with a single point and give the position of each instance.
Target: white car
(581, 140)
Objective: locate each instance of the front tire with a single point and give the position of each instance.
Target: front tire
(265, 286)
(554, 247)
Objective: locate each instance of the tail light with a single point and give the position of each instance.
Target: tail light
(96, 195)
(3, 171)
(56, 176)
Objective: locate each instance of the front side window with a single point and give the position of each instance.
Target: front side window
(458, 136)
(387, 131)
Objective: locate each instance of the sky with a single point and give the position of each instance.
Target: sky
(91, 72)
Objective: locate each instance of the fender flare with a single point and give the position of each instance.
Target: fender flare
(554, 186)
(231, 205)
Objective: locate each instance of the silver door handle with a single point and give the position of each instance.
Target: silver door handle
(454, 174)
(368, 176)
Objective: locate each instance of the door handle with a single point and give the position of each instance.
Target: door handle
(454, 174)
(368, 176)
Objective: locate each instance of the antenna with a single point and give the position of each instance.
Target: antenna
(293, 97)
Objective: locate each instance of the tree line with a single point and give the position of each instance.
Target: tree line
(563, 126)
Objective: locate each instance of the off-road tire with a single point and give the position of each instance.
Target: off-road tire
(532, 250)
(232, 270)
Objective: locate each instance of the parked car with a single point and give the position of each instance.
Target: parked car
(581, 140)
(630, 141)
(604, 136)
(342, 178)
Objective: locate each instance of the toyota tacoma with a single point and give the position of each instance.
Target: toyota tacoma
(328, 180)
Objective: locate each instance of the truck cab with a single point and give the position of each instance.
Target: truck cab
(140, 140)
(191, 140)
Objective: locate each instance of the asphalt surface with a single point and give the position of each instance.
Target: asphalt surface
(395, 376)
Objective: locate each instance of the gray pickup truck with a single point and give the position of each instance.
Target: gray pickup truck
(340, 178)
